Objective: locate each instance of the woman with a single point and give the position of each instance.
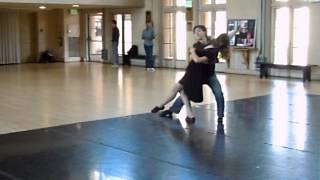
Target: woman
(148, 35)
(198, 72)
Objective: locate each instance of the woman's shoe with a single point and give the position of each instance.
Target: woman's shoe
(166, 113)
(157, 108)
(190, 120)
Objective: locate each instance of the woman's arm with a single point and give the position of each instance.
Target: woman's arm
(194, 57)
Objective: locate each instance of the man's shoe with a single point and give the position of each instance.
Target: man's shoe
(166, 113)
(156, 109)
(190, 120)
(220, 120)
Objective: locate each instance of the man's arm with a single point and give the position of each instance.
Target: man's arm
(194, 57)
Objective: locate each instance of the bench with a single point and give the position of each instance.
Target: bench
(135, 60)
(264, 69)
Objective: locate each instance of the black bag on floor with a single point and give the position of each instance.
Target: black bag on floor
(133, 51)
(126, 60)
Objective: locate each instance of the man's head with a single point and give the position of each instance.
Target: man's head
(114, 23)
(200, 32)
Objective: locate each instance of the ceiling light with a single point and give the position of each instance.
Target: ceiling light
(75, 5)
(42, 7)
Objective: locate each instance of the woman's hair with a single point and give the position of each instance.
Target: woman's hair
(223, 43)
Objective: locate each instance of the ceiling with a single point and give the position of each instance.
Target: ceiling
(35, 6)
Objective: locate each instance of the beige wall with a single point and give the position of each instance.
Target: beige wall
(50, 31)
(244, 9)
(28, 36)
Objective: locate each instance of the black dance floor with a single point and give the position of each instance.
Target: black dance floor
(267, 137)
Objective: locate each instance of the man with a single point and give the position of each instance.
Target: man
(214, 84)
(115, 43)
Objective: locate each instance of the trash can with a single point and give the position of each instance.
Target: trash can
(46, 57)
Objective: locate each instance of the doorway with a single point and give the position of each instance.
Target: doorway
(95, 36)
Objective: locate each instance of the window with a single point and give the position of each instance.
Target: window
(220, 23)
(300, 43)
(124, 24)
(214, 1)
(168, 35)
(181, 3)
(221, 1)
(168, 2)
(212, 13)
(206, 20)
(206, 1)
(291, 32)
(174, 30)
(213, 16)
(181, 35)
(281, 41)
(95, 34)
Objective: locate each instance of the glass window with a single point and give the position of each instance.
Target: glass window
(168, 2)
(221, 1)
(127, 32)
(181, 3)
(95, 34)
(300, 36)
(181, 35)
(206, 1)
(281, 39)
(291, 35)
(168, 35)
(206, 20)
(220, 23)
(118, 18)
(124, 20)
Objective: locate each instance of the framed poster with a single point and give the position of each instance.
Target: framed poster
(246, 37)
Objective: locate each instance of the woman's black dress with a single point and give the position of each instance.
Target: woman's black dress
(198, 74)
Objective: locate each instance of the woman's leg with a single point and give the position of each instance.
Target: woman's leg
(186, 102)
(177, 87)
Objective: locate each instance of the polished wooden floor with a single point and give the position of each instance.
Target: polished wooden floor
(103, 128)
(44, 95)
